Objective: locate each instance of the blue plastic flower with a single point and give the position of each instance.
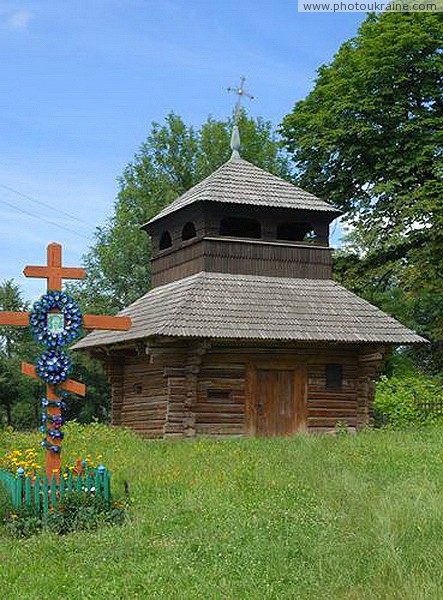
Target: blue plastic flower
(55, 434)
(53, 366)
(58, 329)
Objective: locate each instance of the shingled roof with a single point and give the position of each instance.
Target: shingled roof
(219, 305)
(240, 182)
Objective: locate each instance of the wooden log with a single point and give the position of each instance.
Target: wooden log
(331, 413)
(213, 429)
(330, 422)
(219, 408)
(351, 405)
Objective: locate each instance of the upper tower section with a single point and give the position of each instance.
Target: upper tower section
(242, 220)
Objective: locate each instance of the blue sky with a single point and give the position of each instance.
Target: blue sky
(82, 81)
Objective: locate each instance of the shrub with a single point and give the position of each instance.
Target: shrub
(23, 525)
(408, 399)
(23, 415)
(78, 512)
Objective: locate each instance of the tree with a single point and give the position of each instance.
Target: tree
(369, 138)
(173, 158)
(17, 397)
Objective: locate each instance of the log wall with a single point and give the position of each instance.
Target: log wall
(220, 406)
(139, 396)
(191, 388)
(326, 406)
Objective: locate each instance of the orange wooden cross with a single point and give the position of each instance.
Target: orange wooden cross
(54, 273)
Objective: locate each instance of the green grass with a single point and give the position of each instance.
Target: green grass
(309, 517)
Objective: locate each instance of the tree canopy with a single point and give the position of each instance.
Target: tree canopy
(369, 138)
(173, 158)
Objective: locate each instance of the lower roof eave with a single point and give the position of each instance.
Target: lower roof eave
(237, 307)
(173, 339)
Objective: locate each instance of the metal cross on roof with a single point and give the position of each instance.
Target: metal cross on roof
(235, 137)
(241, 93)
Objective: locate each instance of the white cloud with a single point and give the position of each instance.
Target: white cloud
(19, 19)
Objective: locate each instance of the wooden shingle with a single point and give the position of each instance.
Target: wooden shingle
(240, 182)
(220, 305)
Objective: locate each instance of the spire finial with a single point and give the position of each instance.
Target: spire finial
(235, 137)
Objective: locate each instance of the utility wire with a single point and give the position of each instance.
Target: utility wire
(25, 212)
(62, 212)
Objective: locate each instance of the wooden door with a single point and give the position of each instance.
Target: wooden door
(279, 401)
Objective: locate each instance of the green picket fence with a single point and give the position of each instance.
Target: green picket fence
(42, 494)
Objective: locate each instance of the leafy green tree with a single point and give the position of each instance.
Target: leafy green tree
(96, 404)
(173, 158)
(18, 396)
(369, 138)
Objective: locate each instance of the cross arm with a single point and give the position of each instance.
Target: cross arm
(14, 318)
(89, 321)
(70, 385)
(64, 272)
(106, 322)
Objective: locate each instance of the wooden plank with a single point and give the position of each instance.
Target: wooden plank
(251, 383)
(89, 321)
(231, 369)
(14, 318)
(106, 322)
(70, 385)
(221, 382)
(331, 422)
(331, 413)
(220, 418)
(300, 397)
(328, 395)
(56, 275)
(217, 408)
(54, 255)
(215, 429)
(319, 404)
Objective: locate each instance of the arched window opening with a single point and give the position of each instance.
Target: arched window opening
(240, 227)
(188, 231)
(295, 232)
(165, 240)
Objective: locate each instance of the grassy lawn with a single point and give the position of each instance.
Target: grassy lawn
(308, 517)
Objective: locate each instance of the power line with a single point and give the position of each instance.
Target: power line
(25, 212)
(62, 212)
